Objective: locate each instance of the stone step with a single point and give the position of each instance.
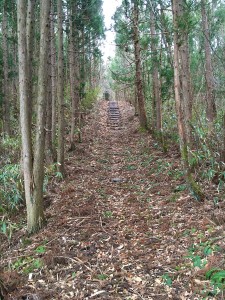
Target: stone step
(114, 117)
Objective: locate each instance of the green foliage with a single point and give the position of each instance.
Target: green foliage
(174, 197)
(11, 187)
(40, 249)
(102, 276)
(90, 98)
(198, 255)
(216, 276)
(167, 280)
(10, 150)
(131, 167)
(7, 228)
(176, 173)
(27, 265)
(107, 214)
(142, 130)
(51, 172)
(180, 188)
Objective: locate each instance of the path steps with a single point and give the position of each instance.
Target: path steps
(114, 117)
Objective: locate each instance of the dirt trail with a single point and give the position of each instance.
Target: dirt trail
(119, 226)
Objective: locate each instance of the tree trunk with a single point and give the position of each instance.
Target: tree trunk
(74, 89)
(183, 93)
(60, 96)
(155, 75)
(53, 83)
(6, 97)
(30, 47)
(211, 107)
(48, 137)
(177, 87)
(184, 68)
(139, 80)
(38, 168)
(24, 111)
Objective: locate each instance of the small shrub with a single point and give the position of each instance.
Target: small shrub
(27, 265)
(10, 149)
(90, 98)
(11, 187)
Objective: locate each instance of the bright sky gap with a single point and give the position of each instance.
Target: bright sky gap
(109, 8)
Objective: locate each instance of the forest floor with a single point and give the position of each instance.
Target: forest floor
(120, 226)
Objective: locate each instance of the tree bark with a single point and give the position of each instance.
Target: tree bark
(53, 82)
(30, 47)
(6, 97)
(155, 74)
(210, 87)
(38, 168)
(183, 92)
(139, 80)
(60, 89)
(48, 136)
(24, 110)
(74, 88)
(184, 67)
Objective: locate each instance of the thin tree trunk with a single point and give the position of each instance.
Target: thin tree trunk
(211, 107)
(6, 97)
(74, 90)
(30, 47)
(60, 154)
(48, 137)
(24, 111)
(53, 82)
(139, 81)
(177, 87)
(184, 73)
(166, 36)
(155, 75)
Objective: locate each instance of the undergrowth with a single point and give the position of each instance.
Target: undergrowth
(90, 99)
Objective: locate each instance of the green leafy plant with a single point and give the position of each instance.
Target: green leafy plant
(180, 188)
(40, 249)
(107, 214)
(217, 279)
(102, 276)
(90, 98)
(7, 228)
(11, 187)
(167, 280)
(131, 167)
(11, 147)
(27, 265)
(59, 175)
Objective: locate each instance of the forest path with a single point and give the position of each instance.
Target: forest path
(120, 224)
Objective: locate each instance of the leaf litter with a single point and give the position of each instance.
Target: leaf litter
(121, 225)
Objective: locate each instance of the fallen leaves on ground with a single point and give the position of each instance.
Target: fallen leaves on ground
(122, 225)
